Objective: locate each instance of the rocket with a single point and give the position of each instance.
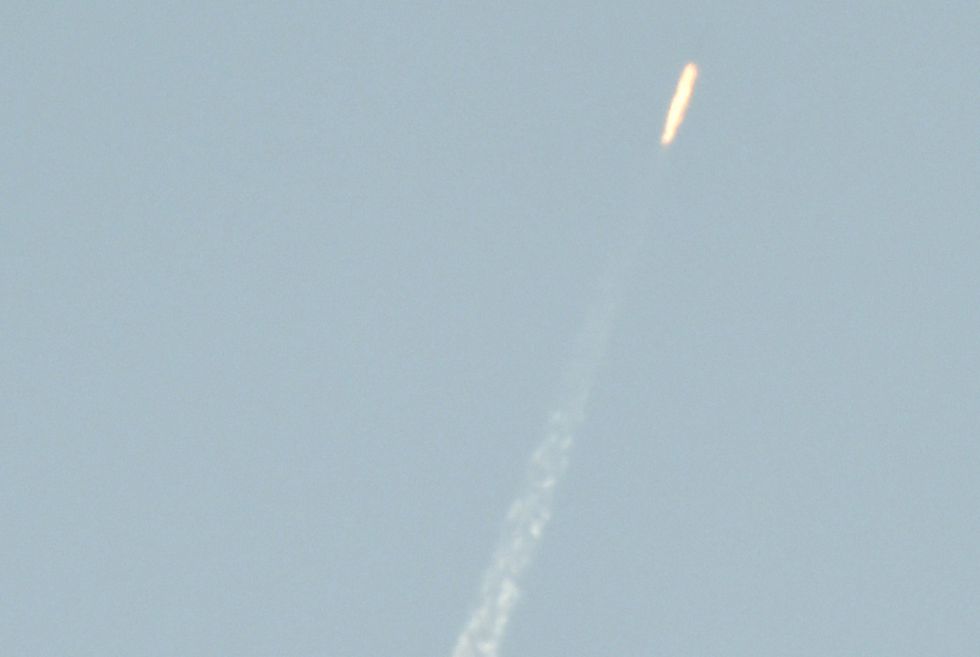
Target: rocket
(678, 105)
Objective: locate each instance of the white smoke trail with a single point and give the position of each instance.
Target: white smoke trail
(528, 515)
(530, 512)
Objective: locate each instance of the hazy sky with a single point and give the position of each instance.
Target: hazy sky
(286, 289)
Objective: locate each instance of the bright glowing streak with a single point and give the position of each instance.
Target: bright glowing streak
(678, 105)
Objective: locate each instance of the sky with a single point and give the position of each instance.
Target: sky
(286, 290)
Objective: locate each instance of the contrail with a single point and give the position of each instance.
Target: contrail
(529, 514)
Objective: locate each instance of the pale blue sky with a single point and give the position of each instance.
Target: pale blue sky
(285, 289)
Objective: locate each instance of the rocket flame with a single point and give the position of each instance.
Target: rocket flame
(678, 105)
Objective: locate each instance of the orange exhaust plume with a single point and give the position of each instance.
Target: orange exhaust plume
(678, 105)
